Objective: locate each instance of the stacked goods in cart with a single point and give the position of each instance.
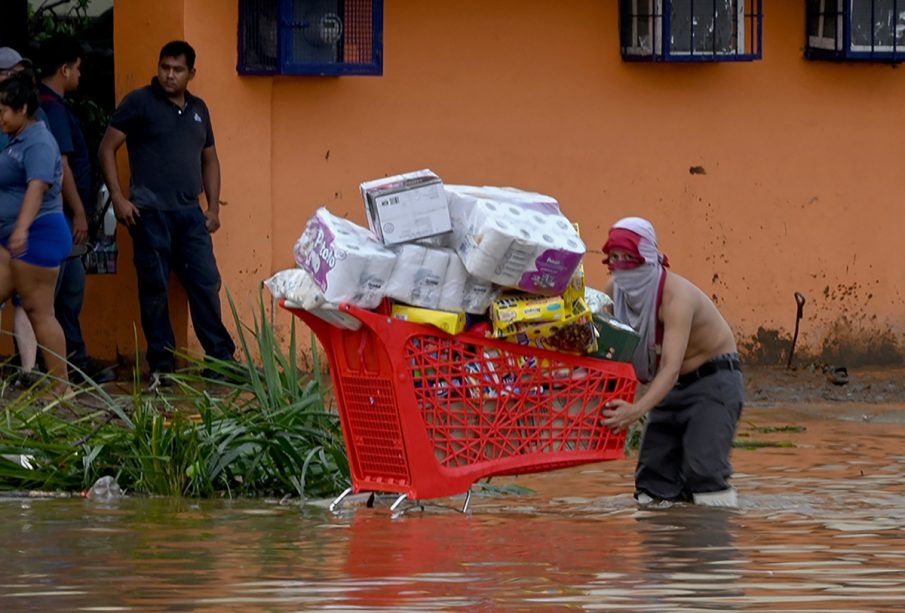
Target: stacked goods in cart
(462, 339)
(499, 262)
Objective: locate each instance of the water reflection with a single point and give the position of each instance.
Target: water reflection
(691, 552)
(820, 528)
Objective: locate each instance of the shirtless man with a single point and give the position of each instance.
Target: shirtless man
(688, 356)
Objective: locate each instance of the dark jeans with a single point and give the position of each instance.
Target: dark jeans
(69, 297)
(177, 241)
(688, 437)
(67, 305)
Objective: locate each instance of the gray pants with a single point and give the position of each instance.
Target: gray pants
(688, 437)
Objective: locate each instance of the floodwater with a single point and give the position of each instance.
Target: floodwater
(821, 527)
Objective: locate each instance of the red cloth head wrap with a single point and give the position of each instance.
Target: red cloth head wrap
(623, 240)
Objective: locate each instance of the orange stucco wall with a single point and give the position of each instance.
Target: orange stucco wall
(801, 192)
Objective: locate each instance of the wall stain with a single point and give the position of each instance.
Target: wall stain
(766, 347)
(844, 344)
(851, 346)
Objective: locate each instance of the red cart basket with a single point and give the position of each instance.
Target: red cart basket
(426, 414)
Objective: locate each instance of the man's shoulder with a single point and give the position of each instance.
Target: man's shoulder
(139, 94)
(197, 101)
(50, 102)
(677, 283)
(131, 109)
(195, 98)
(679, 292)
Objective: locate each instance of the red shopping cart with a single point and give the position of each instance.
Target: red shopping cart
(426, 414)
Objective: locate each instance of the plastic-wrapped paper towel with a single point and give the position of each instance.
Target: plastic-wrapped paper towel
(345, 260)
(299, 290)
(462, 292)
(435, 278)
(514, 238)
(598, 302)
(284, 281)
(419, 273)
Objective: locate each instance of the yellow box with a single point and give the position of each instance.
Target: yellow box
(514, 308)
(453, 323)
(574, 334)
(575, 289)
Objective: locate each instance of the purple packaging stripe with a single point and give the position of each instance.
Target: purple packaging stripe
(320, 259)
(553, 271)
(544, 206)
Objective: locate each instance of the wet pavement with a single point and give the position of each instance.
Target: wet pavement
(821, 527)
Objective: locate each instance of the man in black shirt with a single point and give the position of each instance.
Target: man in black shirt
(172, 157)
(60, 65)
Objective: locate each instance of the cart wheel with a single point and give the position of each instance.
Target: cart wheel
(339, 498)
(398, 502)
(467, 500)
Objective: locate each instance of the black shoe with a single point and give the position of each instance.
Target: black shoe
(105, 375)
(216, 375)
(160, 379)
(92, 374)
(28, 379)
(230, 371)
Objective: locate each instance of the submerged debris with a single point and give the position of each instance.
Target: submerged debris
(105, 488)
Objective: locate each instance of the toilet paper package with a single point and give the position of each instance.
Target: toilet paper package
(513, 238)
(419, 274)
(284, 281)
(298, 289)
(463, 292)
(512, 195)
(344, 260)
(434, 278)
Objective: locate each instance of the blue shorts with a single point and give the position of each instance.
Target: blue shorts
(49, 241)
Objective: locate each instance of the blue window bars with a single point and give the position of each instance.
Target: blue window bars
(691, 30)
(866, 30)
(310, 37)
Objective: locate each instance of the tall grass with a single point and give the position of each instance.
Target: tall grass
(224, 429)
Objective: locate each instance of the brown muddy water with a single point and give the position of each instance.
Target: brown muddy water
(821, 527)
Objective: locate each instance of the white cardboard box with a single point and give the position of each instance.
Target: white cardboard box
(406, 207)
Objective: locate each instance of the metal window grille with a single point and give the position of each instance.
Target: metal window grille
(871, 30)
(311, 37)
(691, 30)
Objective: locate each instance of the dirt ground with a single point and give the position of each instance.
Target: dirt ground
(768, 386)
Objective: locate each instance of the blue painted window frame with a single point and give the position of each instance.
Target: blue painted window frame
(284, 64)
(846, 51)
(661, 50)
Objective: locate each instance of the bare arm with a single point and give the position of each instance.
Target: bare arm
(677, 312)
(73, 202)
(676, 330)
(210, 178)
(125, 211)
(31, 204)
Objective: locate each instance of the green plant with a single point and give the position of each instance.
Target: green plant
(633, 437)
(53, 17)
(265, 431)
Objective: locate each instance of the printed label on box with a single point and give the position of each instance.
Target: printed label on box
(406, 207)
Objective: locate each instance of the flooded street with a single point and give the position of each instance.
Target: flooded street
(821, 527)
